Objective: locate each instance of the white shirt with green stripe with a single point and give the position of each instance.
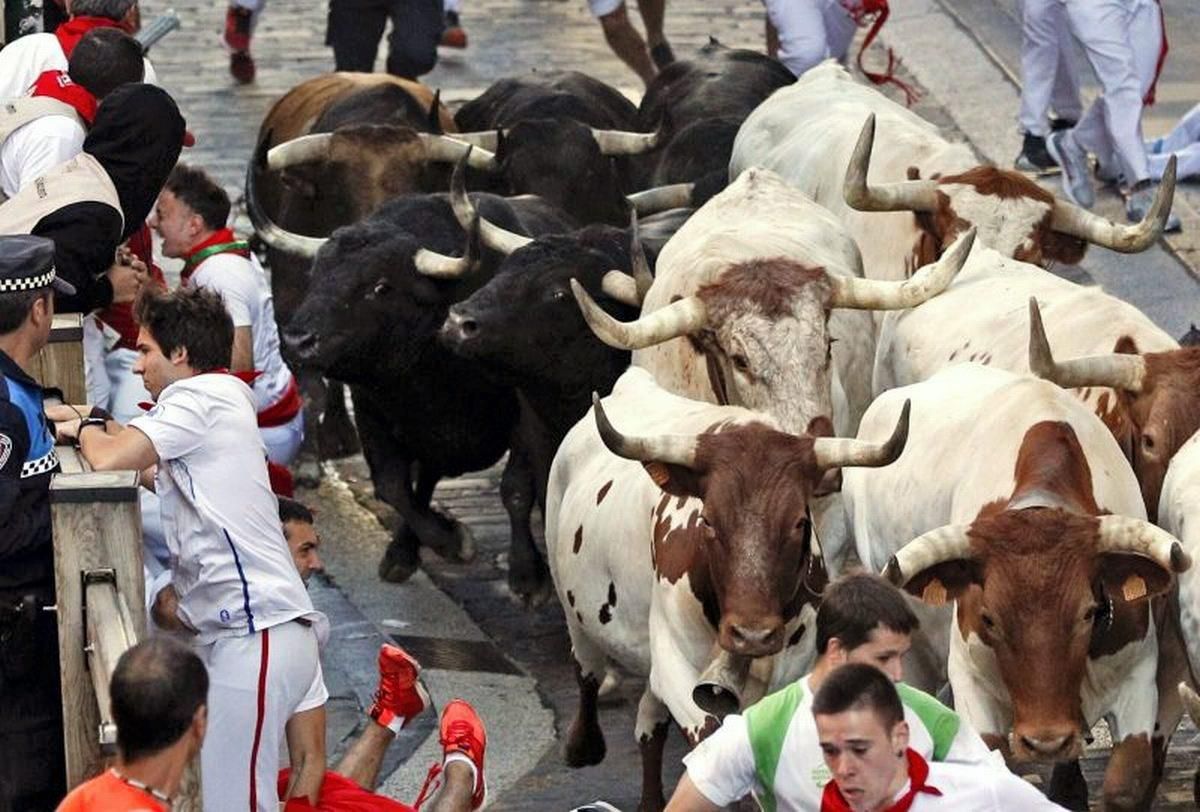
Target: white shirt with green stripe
(772, 749)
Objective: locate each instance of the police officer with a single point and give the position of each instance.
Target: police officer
(31, 769)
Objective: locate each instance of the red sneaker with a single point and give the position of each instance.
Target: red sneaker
(463, 734)
(400, 695)
(241, 66)
(454, 37)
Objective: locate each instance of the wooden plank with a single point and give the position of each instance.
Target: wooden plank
(60, 364)
(105, 532)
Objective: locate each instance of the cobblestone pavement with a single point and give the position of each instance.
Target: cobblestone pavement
(507, 37)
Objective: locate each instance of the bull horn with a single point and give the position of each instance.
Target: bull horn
(642, 276)
(1124, 534)
(947, 543)
(441, 266)
(661, 198)
(673, 449)
(1191, 702)
(927, 282)
(621, 142)
(1118, 370)
(484, 139)
(720, 687)
(444, 149)
(278, 238)
(311, 147)
(911, 195)
(1070, 219)
(676, 319)
(622, 287)
(838, 452)
(493, 236)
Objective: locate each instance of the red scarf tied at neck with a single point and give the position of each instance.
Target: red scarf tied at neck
(57, 85)
(222, 241)
(918, 772)
(70, 32)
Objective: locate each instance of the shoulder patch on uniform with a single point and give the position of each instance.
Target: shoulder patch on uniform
(6, 447)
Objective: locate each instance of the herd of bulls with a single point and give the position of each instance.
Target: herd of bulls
(829, 339)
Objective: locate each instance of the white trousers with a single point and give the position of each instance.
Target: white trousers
(1048, 76)
(1183, 142)
(283, 442)
(810, 31)
(1122, 40)
(256, 683)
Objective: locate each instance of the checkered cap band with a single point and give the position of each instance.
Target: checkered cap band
(27, 282)
(42, 465)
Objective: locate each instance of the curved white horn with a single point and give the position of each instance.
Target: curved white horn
(642, 276)
(661, 198)
(1118, 370)
(837, 452)
(493, 236)
(445, 149)
(947, 543)
(676, 319)
(1124, 534)
(621, 286)
(311, 147)
(441, 266)
(622, 142)
(1128, 239)
(675, 449)
(909, 195)
(278, 238)
(927, 282)
(484, 139)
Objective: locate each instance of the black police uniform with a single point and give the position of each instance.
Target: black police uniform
(32, 776)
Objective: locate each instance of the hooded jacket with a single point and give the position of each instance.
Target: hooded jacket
(134, 143)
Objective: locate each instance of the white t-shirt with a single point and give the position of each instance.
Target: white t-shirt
(33, 148)
(243, 286)
(230, 563)
(724, 767)
(976, 788)
(24, 59)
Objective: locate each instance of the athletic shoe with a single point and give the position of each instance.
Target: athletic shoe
(241, 66)
(400, 695)
(453, 35)
(662, 54)
(1076, 177)
(1109, 176)
(1057, 124)
(1034, 157)
(462, 737)
(1138, 204)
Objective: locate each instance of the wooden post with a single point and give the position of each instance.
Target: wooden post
(97, 526)
(60, 364)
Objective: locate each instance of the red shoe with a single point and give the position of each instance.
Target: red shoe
(454, 37)
(400, 695)
(463, 739)
(241, 66)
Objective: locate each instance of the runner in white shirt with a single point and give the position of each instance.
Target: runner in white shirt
(771, 750)
(866, 747)
(190, 217)
(234, 593)
(47, 126)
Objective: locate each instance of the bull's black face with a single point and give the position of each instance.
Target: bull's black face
(561, 162)
(367, 311)
(526, 324)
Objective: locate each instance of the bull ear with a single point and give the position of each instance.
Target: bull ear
(1128, 577)
(944, 582)
(677, 480)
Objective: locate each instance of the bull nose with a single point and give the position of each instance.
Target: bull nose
(300, 341)
(755, 641)
(1048, 744)
(459, 326)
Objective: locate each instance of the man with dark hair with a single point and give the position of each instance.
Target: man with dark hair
(771, 750)
(234, 589)
(159, 693)
(190, 216)
(31, 768)
(865, 742)
(302, 537)
(41, 130)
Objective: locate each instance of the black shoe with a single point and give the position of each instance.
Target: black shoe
(1035, 157)
(662, 54)
(1057, 124)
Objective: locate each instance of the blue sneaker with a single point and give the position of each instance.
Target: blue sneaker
(1076, 174)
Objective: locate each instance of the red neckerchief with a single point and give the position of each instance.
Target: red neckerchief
(56, 84)
(222, 241)
(918, 771)
(70, 32)
(859, 11)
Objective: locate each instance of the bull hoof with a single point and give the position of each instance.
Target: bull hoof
(585, 744)
(337, 437)
(307, 472)
(400, 560)
(1068, 787)
(457, 545)
(531, 585)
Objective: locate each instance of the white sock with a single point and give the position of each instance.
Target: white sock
(457, 756)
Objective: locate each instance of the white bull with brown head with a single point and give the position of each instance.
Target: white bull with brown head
(681, 529)
(1015, 502)
(820, 135)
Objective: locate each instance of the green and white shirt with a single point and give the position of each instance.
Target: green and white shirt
(772, 749)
